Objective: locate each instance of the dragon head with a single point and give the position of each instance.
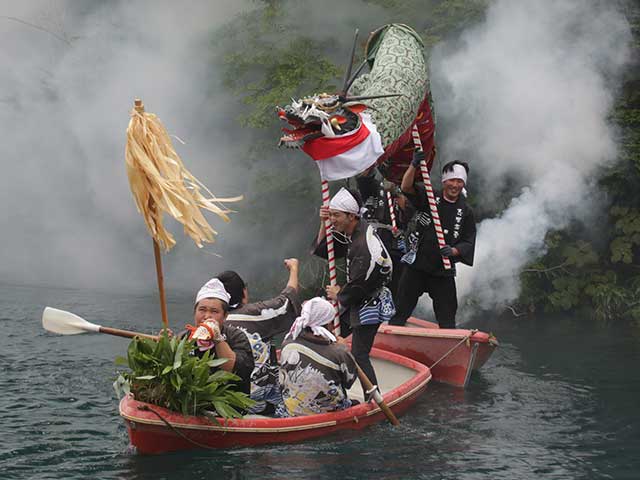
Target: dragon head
(317, 116)
(322, 115)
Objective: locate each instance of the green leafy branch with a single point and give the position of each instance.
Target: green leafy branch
(168, 374)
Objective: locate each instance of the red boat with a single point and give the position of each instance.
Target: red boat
(451, 354)
(401, 379)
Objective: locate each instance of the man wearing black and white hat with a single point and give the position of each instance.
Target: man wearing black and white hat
(424, 271)
(212, 333)
(363, 299)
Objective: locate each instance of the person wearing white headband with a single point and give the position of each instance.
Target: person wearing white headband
(369, 269)
(424, 270)
(210, 332)
(315, 371)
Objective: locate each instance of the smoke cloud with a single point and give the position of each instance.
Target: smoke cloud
(71, 71)
(524, 97)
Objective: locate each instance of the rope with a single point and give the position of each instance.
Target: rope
(146, 408)
(456, 346)
(431, 198)
(331, 255)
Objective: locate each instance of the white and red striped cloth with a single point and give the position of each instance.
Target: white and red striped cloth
(344, 156)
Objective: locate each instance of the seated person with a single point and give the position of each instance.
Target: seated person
(261, 321)
(315, 370)
(212, 332)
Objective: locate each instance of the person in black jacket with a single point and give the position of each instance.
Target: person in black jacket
(363, 299)
(261, 321)
(212, 333)
(424, 271)
(374, 190)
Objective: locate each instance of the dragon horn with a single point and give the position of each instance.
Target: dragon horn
(371, 97)
(355, 75)
(347, 74)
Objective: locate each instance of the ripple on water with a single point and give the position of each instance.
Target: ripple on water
(531, 412)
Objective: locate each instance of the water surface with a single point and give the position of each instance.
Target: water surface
(558, 399)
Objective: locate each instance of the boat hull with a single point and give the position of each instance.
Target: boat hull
(150, 435)
(451, 354)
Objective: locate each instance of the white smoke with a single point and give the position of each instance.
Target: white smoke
(71, 71)
(524, 97)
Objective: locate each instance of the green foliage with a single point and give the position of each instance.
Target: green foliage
(274, 68)
(572, 276)
(166, 373)
(627, 230)
(601, 277)
(433, 19)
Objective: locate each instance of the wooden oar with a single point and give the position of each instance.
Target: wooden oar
(368, 387)
(67, 323)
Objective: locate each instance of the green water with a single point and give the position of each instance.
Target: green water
(558, 399)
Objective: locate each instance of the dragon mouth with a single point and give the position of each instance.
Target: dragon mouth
(300, 132)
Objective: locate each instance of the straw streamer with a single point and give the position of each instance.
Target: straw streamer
(160, 183)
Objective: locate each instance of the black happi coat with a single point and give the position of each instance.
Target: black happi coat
(261, 321)
(368, 267)
(268, 317)
(240, 345)
(458, 226)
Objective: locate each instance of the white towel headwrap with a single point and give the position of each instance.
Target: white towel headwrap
(345, 202)
(213, 289)
(458, 172)
(315, 313)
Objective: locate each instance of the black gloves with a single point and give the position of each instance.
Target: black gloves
(446, 251)
(418, 156)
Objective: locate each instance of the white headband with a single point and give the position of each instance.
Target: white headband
(213, 289)
(344, 202)
(315, 313)
(458, 172)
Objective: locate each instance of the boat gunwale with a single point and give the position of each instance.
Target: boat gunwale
(449, 333)
(415, 384)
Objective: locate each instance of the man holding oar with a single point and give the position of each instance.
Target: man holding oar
(211, 332)
(364, 301)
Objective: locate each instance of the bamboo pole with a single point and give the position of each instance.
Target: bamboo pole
(156, 249)
(331, 255)
(431, 198)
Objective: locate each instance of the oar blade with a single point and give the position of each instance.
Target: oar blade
(66, 323)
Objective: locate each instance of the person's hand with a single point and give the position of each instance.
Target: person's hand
(418, 157)
(341, 340)
(324, 213)
(332, 291)
(291, 264)
(209, 330)
(168, 331)
(446, 251)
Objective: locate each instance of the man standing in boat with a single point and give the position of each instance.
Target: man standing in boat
(424, 271)
(364, 300)
(378, 197)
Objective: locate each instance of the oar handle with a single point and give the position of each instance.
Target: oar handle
(126, 333)
(369, 387)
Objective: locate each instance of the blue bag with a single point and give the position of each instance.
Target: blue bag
(379, 309)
